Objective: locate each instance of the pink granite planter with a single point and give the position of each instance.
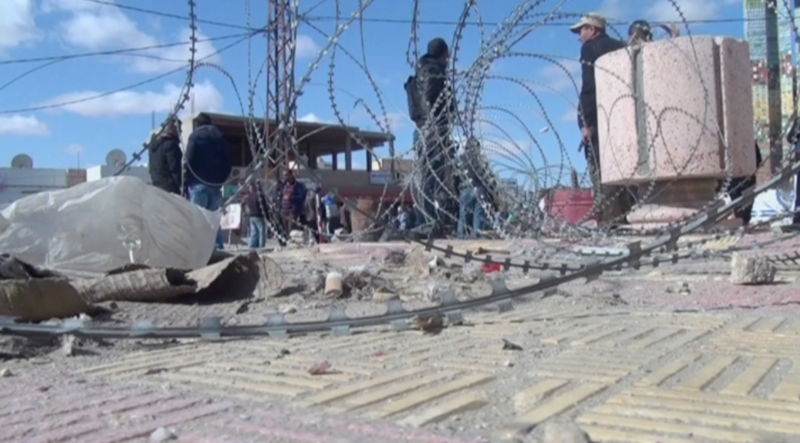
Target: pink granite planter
(678, 112)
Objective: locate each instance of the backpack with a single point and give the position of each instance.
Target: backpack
(415, 110)
(331, 210)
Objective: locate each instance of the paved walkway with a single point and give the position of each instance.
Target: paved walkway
(621, 375)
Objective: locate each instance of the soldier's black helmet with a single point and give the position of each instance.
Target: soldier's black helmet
(642, 29)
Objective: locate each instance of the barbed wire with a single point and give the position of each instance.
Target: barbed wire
(541, 163)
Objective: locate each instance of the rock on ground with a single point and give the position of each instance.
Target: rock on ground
(563, 431)
(748, 270)
(161, 435)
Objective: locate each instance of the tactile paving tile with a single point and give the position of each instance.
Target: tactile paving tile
(651, 414)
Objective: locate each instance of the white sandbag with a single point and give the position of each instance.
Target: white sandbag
(102, 225)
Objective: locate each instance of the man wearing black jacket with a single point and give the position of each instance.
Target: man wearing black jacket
(165, 158)
(434, 120)
(208, 166)
(595, 43)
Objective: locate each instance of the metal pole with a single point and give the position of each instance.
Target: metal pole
(773, 86)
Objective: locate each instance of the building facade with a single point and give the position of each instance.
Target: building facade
(756, 33)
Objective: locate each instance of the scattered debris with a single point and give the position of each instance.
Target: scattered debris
(563, 431)
(750, 270)
(320, 368)
(5, 372)
(162, 434)
(472, 272)
(40, 299)
(656, 273)
(422, 262)
(68, 345)
(285, 351)
(483, 251)
(297, 238)
(508, 364)
(682, 289)
(243, 307)
(430, 324)
(154, 371)
(139, 284)
(272, 278)
(288, 309)
(383, 297)
(13, 269)
(491, 268)
(509, 346)
(334, 284)
(340, 236)
(362, 283)
(395, 257)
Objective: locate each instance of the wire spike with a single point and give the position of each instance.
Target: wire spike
(339, 314)
(276, 325)
(498, 286)
(210, 328)
(505, 306)
(142, 328)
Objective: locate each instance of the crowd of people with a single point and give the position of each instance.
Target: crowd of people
(455, 189)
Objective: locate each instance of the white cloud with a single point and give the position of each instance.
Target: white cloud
(570, 116)
(552, 77)
(616, 9)
(311, 118)
(22, 125)
(103, 28)
(96, 27)
(75, 149)
(176, 56)
(397, 121)
(663, 10)
(205, 95)
(16, 23)
(69, 5)
(306, 47)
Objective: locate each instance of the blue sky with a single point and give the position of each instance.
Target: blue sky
(58, 137)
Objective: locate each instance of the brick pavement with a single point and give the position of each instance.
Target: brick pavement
(49, 405)
(622, 376)
(642, 371)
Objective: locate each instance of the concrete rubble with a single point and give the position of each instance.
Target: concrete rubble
(30, 294)
(750, 270)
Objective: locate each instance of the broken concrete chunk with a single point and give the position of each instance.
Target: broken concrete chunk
(511, 346)
(321, 368)
(68, 345)
(162, 434)
(40, 299)
(421, 261)
(395, 257)
(383, 297)
(5, 372)
(563, 431)
(271, 277)
(297, 238)
(430, 323)
(749, 270)
(288, 309)
(333, 284)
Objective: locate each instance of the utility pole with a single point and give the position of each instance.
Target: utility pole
(282, 38)
(773, 86)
